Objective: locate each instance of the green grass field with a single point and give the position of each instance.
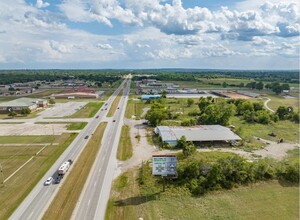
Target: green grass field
(125, 145)
(277, 101)
(20, 185)
(29, 139)
(287, 130)
(264, 200)
(88, 111)
(66, 199)
(77, 125)
(134, 107)
(115, 104)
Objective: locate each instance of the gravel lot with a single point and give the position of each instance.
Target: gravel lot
(62, 109)
(33, 129)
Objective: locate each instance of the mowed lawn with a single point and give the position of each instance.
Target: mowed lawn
(125, 145)
(134, 108)
(28, 139)
(88, 111)
(264, 200)
(115, 104)
(12, 157)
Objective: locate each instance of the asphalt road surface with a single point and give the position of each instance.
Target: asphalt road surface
(37, 202)
(93, 200)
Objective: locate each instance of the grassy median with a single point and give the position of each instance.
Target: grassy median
(134, 108)
(65, 201)
(125, 145)
(115, 104)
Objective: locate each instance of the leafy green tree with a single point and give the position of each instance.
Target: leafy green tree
(263, 117)
(282, 112)
(259, 86)
(25, 111)
(164, 94)
(204, 103)
(190, 102)
(52, 101)
(277, 88)
(258, 106)
(12, 114)
(285, 86)
(188, 122)
(188, 149)
(245, 106)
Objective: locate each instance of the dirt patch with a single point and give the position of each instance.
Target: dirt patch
(236, 96)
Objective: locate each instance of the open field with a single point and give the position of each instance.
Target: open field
(65, 201)
(76, 125)
(125, 144)
(115, 104)
(88, 111)
(134, 107)
(264, 200)
(30, 139)
(277, 101)
(20, 185)
(287, 130)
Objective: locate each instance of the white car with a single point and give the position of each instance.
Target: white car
(49, 181)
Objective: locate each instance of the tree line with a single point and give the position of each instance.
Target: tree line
(201, 176)
(22, 76)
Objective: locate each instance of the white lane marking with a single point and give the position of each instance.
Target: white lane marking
(95, 184)
(89, 202)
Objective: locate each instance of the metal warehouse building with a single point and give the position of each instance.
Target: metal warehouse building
(18, 104)
(151, 97)
(202, 133)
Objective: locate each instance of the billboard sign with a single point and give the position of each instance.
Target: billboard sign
(164, 165)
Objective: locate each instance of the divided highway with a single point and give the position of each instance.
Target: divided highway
(93, 200)
(36, 203)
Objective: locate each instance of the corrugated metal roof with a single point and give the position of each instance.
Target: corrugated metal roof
(198, 133)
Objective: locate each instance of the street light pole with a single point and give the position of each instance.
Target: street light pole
(1, 170)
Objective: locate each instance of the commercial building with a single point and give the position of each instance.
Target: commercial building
(18, 104)
(151, 97)
(201, 133)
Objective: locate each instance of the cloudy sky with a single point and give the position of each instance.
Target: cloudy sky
(240, 34)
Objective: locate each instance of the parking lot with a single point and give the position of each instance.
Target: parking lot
(62, 109)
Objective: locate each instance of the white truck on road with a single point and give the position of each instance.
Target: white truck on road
(64, 168)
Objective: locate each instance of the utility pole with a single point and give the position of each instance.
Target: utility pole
(1, 170)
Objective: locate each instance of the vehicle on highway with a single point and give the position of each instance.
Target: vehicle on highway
(97, 116)
(118, 107)
(57, 179)
(48, 181)
(86, 137)
(114, 120)
(106, 109)
(64, 168)
(70, 161)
